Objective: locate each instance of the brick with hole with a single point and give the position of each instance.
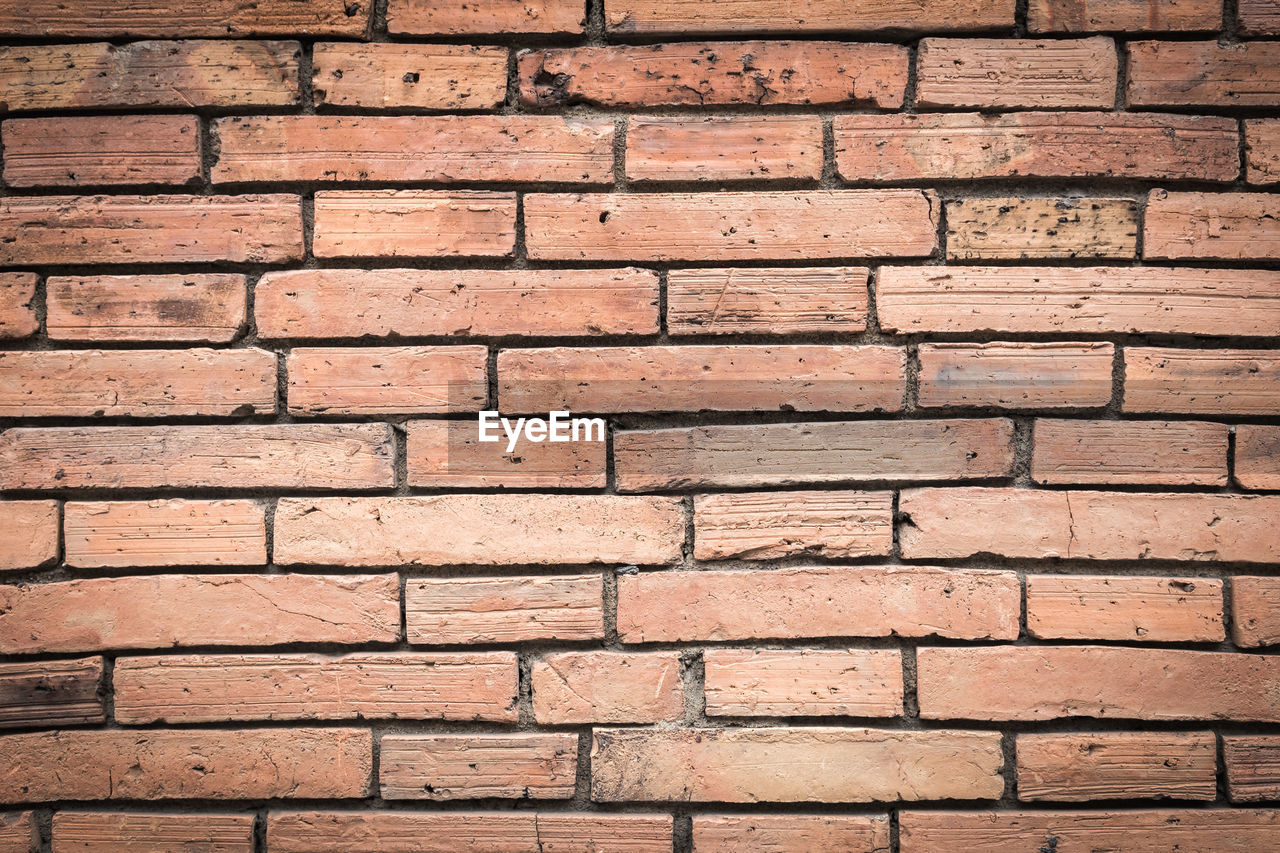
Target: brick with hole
(479, 17)
(772, 525)
(1257, 456)
(1015, 228)
(1133, 16)
(1016, 375)
(763, 833)
(1212, 226)
(414, 223)
(1255, 611)
(1133, 609)
(17, 305)
(1262, 149)
(413, 76)
(678, 148)
(1203, 74)
(50, 693)
(448, 611)
(477, 766)
(186, 18)
(386, 380)
(1212, 382)
(37, 544)
(1166, 453)
(174, 532)
(803, 682)
(628, 17)
(771, 301)
(97, 150)
(607, 687)
(1076, 768)
(1253, 767)
(1017, 73)
(99, 832)
(197, 308)
(449, 454)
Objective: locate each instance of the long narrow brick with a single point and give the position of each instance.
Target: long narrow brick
(675, 148)
(1048, 682)
(1262, 148)
(1253, 768)
(757, 833)
(101, 150)
(1074, 768)
(185, 764)
(1090, 525)
(1258, 17)
(38, 542)
(759, 73)
(504, 610)
(17, 305)
(413, 148)
(1258, 456)
(1133, 16)
(685, 16)
(1164, 453)
(1196, 381)
(1017, 228)
(1255, 611)
(475, 766)
(1212, 226)
(366, 686)
(771, 525)
(386, 380)
(89, 832)
(803, 682)
(269, 456)
(123, 534)
(832, 765)
(607, 687)
(778, 301)
(185, 18)
(1017, 73)
(817, 602)
(1136, 609)
(812, 453)
(186, 74)
(466, 17)
(478, 529)
(1203, 74)
(163, 611)
(150, 229)
(202, 307)
(802, 378)
(962, 146)
(51, 693)
(416, 76)
(1016, 375)
(407, 223)
(19, 833)
(448, 454)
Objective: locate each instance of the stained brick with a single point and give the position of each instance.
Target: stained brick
(203, 18)
(803, 682)
(38, 543)
(674, 148)
(1262, 147)
(1075, 16)
(778, 301)
(1258, 456)
(417, 76)
(1166, 453)
(1208, 226)
(202, 307)
(1255, 611)
(459, 17)
(1196, 381)
(88, 832)
(101, 150)
(1017, 73)
(51, 693)
(1016, 375)
(681, 16)
(17, 305)
(607, 687)
(448, 454)
(790, 833)
(1203, 74)
(475, 766)
(406, 223)
(165, 533)
(1137, 609)
(1117, 766)
(1015, 228)
(386, 380)
(1253, 767)
(771, 525)
(504, 610)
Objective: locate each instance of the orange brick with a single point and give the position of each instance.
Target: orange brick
(803, 682)
(418, 76)
(459, 17)
(1076, 768)
(475, 766)
(674, 148)
(164, 611)
(1076, 16)
(448, 454)
(1195, 381)
(386, 380)
(407, 223)
(1253, 767)
(1137, 609)
(165, 533)
(1258, 17)
(51, 693)
(204, 18)
(151, 833)
(1258, 456)
(204, 307)
(1225, 226)
(1203, 74)
(17, 305)
(101, 150)
(789, 833)
(1255, 611)
(1016, 375)
(778, 301)
(1262, 149)
(817, 602)
(19, 833)
(504, 610)
(1017, 73)
(681, 16)
(607, 687)
(771, 525)
(37, 544)
(1017, 228)
(1166, 453)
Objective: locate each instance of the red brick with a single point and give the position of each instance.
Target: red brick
(771, 525)
(607, 687)
(833, 765)
(202, 18)
(1258, 456)
(960, 146)
(203, 307)
(1166, 453)
(1137, 609)
(1018, 228)
(1196, 381)
(1016, 375)
(790, 833)
(789, 603)
(386, 380)
(19, 833)
(163, 611)
(741, 456)
(185, 764)
(681, 16)
(1076, 16)
(1047, 682)
(101, 150)
(413, 148)
(1017, 73)
(51, 693)
(1234, 226)
(1258, 17)
(366, 686)
(778, 301)
(459, 17)
(38, 543)
(86, 832)
(418, 76)
(1089, 525)
(475, 766)
(803, 682)
(1255, 611)
(1203, 74)
(165, 533)
(17, 305)
(1262, 149)
(1253, 768)
(760, 73)
(674, 148)
(271, 456)
(447, 454)
(1076, 768)
(150, 229)
(407, 223)
(504, 610)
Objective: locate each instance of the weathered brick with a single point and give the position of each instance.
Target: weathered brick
(960, 146)
(1262, 149)
(474, 766)
(607, 687)
(770, 525)
(386, 380)
(1255, 611)
(756, 833)
(19, 833)
(185, 74)
(1165, 453)
(38, 542)
(674, 148)
(1253, 767)
(1017, 73)
(271, 456)
(1203, 74)
(1048, 682)
(681, 16)
(1258, 17)
(1075, 768)
(185, 764)
(1076, 16)
(87, 832)
(1145, 609)
(407, 223)
(417, 76)
(150, 229)
(788, 603)
(741, 456)
(413, 148)
(165, 533)
(51, 693)
(1090, 525)
(101, 150)
(803, 682)
(1225, 226)
(201, 18)
(1016, 375)
(508, 529)
(459, 17)
(504, 610)
(1016, 228)
(832, 765)
(161, 611)
(760, 73)
(778, 301)
(448, 454)
(802, 378)
(1197, 381)
(202, 307)
(17, 305)
(367, 686)
(1258, 456)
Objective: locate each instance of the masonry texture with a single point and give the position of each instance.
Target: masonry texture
(938, 346)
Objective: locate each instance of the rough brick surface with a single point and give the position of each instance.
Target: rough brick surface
(386, 380)
(466, 17)
(1258, 17)
(51, 693)
(1257, 456)
(776, 301)
(1253, 767)
(1117, 766)
(1203, 74)
(398, 76)
(1234, 226)
(449, 454)
(768, 525)
(18, 833)
(469, 767)
(1262, 151)
(17, 305)
(1074, 16)
(1011, 228)
(398, 223)
(165, 533)
(207, 18)
(1191, 381)
(101, 150)
(1016, 375)
(803, 683)
(204, 308)
(1016, 73)
(1134, 609)
(151, 833)
(673, 148)
(37, 543)
(504, 610)
(607, 687)
(679, 16)
(1166, 453)
(789, 833)
(1255, 611)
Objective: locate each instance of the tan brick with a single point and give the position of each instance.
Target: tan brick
(1017, 73)
(802, 378)
(1077, 16)
(1016, 228)
(760, 73)
(1166, 453)
(960, 146)
(51, 693)
(458, 17)
(186, 74)
(161, 611)
(19, 833)
(1255, 611)
(1262, 149)
(1195, 381)
(1047, 682)
(1258, 456)
(150, 229)
(1137, 609)
(413, 148)
(419, 76)
(1076, 768)
(1089, 525)
(202, 307)
(504, 610)
(386, 380)
(778, 301)
(474, 766)
(741, 456)
(17, 305)
(241, 456)
(789, 833)
(205, 18)
(675, 148)
(803, 682)
(165, 533)
(101, 150)
(771, 525)
(607, 687)
(37, 544)
(1258, 17)
(1203, 74)
(86, 832)
(1016, 375)
(407, 223)
(681, 16)
(798, 603)
(448, 454)
(1253, 767)
(366, 686)
(1225, 226)
(185, 764)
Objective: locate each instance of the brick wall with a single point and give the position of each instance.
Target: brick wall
(937, 341)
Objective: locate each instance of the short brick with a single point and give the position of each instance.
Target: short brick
(756, 833)
(416, 76)
(1253, 767)
(123, 534)
(19, 833)
(1016, 375)
(203, 307)
(665, 16)
(1203, 74)
(202, 18)
(1166, 453)
(1017, 228)
(772, 525)
(386, 380)
(448, 454)
(1262, 150)
(1136, 609)
(407, 223)
(1075, 768)
(475, 766)
(1017, 73)
(101, 150)
(607, 687)
(1196, 381)
(674, 148)
(778, 301)
(803, 682)
(1212, 226)
(1258, 456)
(17, 305)
(1255, 611)
(51, 693)
(38, 544)
(1134, 16)
(86, 832)
(504, 610)
(466, 17)
(1258, 17)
